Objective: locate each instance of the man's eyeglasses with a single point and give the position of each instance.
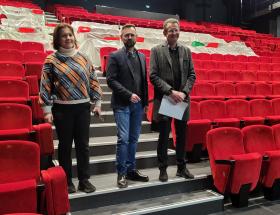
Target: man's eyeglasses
(173, 30)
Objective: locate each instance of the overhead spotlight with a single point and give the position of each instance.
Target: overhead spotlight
(147, 6)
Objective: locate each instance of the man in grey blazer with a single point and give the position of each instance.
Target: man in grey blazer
(172, 74)
(127, 77)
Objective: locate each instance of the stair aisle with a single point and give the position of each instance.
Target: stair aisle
(51, 18)
(153, 197)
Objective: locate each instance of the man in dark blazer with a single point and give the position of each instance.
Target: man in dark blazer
(127, 77)
(172, 74)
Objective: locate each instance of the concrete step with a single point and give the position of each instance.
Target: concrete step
(108, 194)
(105, 88)
(106, 96)
(108, 129)
(50, 19)
(102, 80)
(99, 73)
(196, 203)
(49, 13)
(51, 16)
(107, 163)
(107, 145)
(106, 117)
(106, 106)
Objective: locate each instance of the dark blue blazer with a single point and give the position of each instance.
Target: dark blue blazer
(120, 78)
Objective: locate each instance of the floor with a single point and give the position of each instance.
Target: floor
(257, 206)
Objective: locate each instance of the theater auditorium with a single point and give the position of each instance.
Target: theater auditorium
(232, 134)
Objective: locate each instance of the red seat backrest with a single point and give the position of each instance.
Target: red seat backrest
(212, 109)
(260, 107)
(15, 116)
(238, 108)
(258, 138)
(20, 159)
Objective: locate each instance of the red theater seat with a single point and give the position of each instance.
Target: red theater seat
(14, 91)
(20, 177)
(237, 108)
(263, 89)
(11, 71)
(16, 123)
(215, 110)
(32, 46)
(249, 76)
(274, 117)
(260, 139)
(104, 54)
(34, 57)
(233, 75)
(234, 172)
(253, 59)
(205, 91)
(260, 108)
(196, 133)
(275, 76)
(7, 44)
(227, 90)
(11, 56)
(253, 66)
(217, 57)
(146, 52)
(223, 65)
(216, 75)
(239, 66)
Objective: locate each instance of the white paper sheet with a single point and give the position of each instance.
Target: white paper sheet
(169, 108)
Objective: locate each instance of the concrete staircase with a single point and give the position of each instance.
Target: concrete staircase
(173, 197)
(51, 18)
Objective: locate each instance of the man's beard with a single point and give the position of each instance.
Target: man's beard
(129, 43)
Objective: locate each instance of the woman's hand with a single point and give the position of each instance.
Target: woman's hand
(48, 118)
(96, 110)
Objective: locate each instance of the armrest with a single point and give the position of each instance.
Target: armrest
(44, 137)
(225, 162)
(265, 158)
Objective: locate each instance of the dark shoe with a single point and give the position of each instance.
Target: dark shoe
(163, 177)
(121, 181)
(86, 186)
(184, 173)
(137, 176)
(71, 187)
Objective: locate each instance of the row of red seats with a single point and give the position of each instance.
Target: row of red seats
(206, 115)
(8, 44)
(239, 58)
(24, 4)
(18, 91)
(21, 72)
(16, 124)
(241, 159)
(15, 56)
(104, 53)
(23, 187)
(219, 75)
(228, 65)
(242, 90)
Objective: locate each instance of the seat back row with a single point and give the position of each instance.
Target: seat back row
(239, 159)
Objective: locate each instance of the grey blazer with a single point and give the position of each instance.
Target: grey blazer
(161, 75)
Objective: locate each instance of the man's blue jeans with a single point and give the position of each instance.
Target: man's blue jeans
(128, 120)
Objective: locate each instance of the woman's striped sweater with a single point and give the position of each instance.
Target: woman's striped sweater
(68, 80)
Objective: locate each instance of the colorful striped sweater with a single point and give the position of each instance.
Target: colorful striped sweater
(68, 80)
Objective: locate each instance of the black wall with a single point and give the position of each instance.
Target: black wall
(221, 11)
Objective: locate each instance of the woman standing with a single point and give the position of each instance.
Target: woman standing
(69, 92)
